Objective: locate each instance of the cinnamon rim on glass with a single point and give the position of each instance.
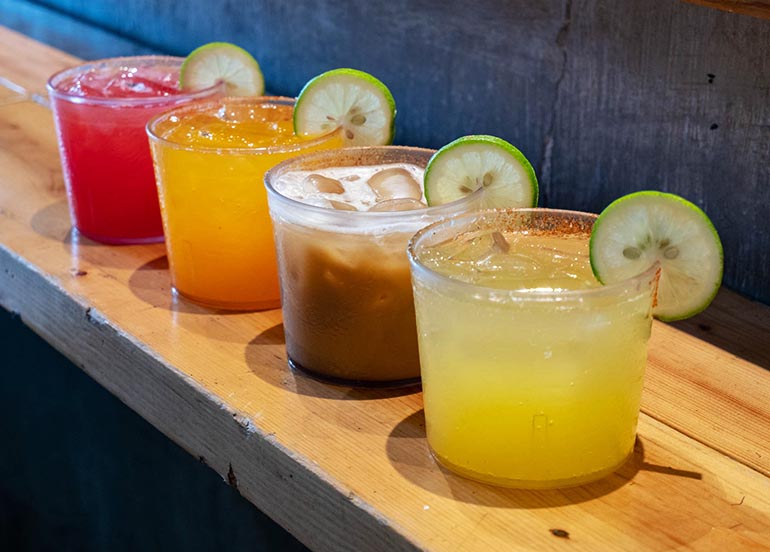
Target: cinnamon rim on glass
(432, 231)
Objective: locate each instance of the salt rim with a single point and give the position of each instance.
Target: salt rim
(184, 95)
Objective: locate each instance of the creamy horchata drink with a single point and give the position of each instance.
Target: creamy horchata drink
(342, 220)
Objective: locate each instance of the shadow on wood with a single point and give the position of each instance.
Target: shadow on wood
(734, 324)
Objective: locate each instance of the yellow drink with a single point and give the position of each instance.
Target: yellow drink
(210, 160)
(532, 371)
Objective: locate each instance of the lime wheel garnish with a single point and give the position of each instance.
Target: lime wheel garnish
(643, 228)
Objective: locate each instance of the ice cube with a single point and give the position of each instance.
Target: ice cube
(136, 87)
(499, 243)
(323, 184)
(114, 87)
(342, 206)
(153, 86)
(481, 251)
(395, 183)
(84, 89)
(403, 204)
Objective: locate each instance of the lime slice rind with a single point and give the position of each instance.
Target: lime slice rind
(642, 228)
(471, 162)
(356, 101)
(223, 62)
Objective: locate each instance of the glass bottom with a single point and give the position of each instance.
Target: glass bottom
(121, 240)
(228, 305)
(370, 384)
(538, 484)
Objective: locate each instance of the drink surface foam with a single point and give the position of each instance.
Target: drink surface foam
(389, 187)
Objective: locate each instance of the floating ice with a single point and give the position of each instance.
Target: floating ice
(395, 183)
(316, 183)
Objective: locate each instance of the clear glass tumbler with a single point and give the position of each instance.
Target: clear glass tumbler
(100, 110)
(532, 371)
(347, 299)
(210, 160)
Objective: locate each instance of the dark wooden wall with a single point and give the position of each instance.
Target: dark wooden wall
(604, 97)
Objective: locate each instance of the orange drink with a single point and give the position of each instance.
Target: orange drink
(210, 160)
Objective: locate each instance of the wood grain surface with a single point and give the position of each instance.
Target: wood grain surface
(346, 469)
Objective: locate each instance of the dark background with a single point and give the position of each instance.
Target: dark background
(604, 97)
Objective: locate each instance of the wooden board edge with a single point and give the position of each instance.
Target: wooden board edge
(317, 510)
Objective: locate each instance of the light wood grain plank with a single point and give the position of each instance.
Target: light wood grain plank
(734, 324)
(375, 445)
(320, 511)
(708, 392)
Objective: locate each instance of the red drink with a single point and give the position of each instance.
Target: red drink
(101, 110)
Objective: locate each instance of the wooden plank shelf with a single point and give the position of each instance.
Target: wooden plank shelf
(346, 469)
